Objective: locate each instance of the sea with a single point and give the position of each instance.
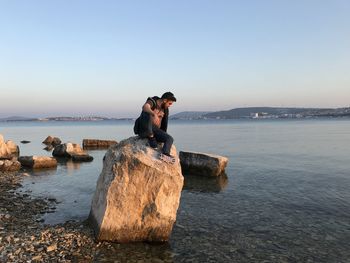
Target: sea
(285, 196)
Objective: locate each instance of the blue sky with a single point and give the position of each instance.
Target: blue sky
(106, 57)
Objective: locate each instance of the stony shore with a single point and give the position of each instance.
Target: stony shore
(24, 238)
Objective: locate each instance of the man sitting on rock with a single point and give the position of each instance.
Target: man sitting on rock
(153, 123)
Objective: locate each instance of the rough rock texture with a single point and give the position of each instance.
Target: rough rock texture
(51, 140)
(92, 143)
(202, 163)
(137, 195)
(38, 162)
(8, 150)
(9, 165)
(72, 150)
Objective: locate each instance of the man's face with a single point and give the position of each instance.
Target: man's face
(167, 103)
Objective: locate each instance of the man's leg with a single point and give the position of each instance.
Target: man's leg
(146, 129)
(162, 136)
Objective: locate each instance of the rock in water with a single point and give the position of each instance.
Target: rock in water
(98, 144)
(38, 162)
(72, 150)
(203, 163)
(51, 140)
(137, 195)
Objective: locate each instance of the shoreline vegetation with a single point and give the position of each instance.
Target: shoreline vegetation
(238, 113)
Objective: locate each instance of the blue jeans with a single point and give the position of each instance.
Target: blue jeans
(162, 136)
(144, 128)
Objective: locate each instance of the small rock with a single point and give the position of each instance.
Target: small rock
(51, 248)
(37, 258)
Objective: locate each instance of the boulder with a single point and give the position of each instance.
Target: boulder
(8, 150)
(72, 150)
(137, 195)
(92, 143)
(50, 140)
(9, 165)
(14, 149)
(38, 162)
(202, 163)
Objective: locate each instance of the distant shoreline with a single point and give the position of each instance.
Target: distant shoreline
(237, 113)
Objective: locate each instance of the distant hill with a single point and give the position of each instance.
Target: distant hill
(189, 115)
(17, 118)
(249, 112)
(238, 113)
(274, 112)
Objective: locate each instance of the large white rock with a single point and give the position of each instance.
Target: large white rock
(137, 195)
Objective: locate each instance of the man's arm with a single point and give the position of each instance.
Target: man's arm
(164, 124)
(147, 108)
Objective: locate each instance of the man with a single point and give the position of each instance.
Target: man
(153, 123)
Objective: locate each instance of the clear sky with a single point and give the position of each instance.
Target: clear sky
(106, 57)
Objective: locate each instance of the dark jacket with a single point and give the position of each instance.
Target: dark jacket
(143, 123)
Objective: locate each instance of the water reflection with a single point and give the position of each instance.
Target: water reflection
(71, 166)
(195, 183)
(48, 148)
(40, 172)
(136, 252)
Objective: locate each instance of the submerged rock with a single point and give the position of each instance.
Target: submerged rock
(202, 163)
(73, 151)
(137, 195)
(93, 143)
(38, 162)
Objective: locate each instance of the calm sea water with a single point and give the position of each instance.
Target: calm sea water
(286, 196)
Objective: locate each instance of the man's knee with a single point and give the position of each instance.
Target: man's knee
(170, 139)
